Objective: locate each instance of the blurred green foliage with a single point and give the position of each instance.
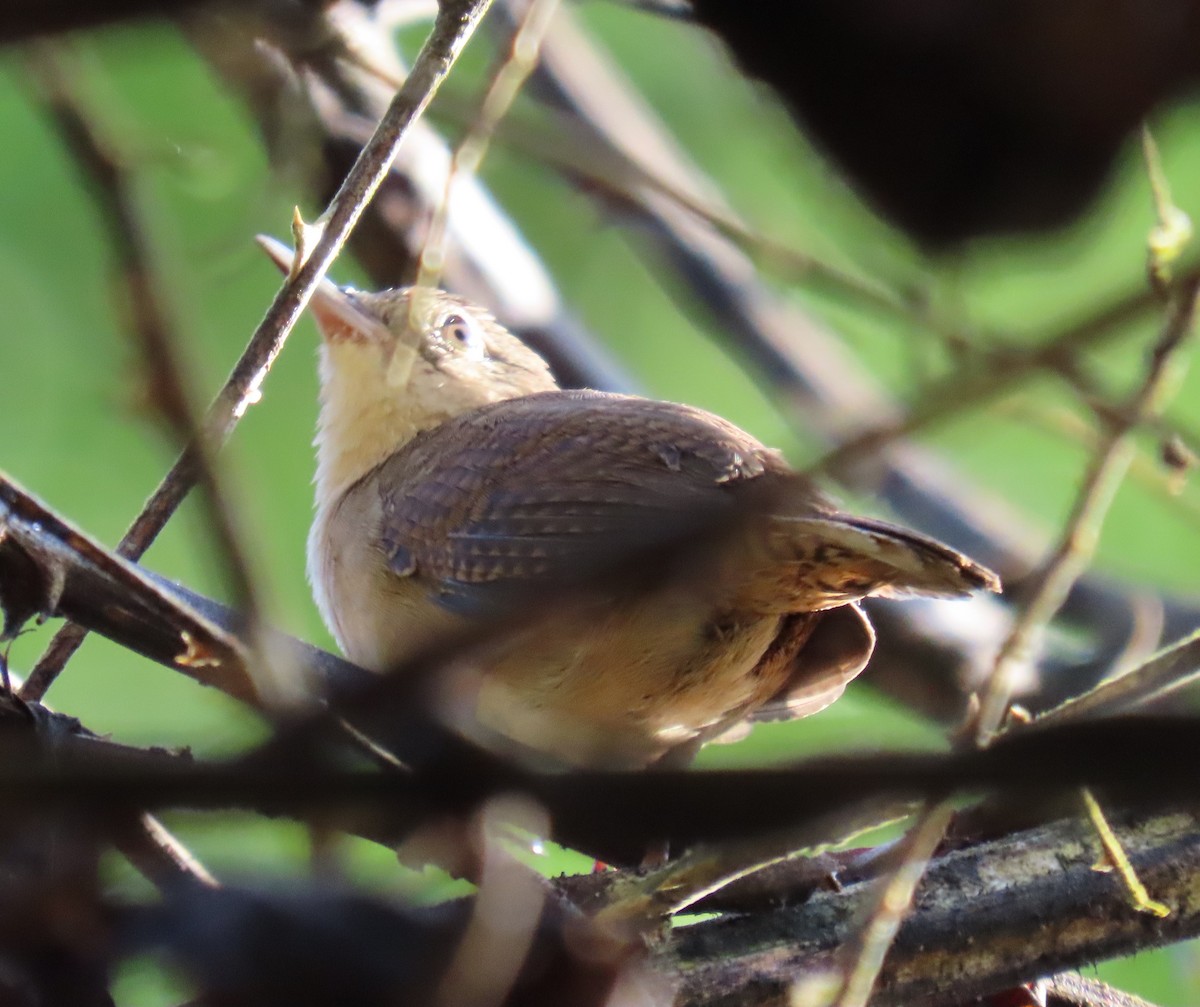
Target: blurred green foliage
(76, 430)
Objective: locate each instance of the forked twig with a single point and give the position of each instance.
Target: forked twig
(1077, 543)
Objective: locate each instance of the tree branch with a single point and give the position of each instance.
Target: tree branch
(1035, 906)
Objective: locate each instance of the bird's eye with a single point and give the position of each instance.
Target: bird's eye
(462, 334)
(458, 328)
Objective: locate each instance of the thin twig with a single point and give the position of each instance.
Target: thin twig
(1166, 672)
(890, 904)
(1114, 857)
(979, 381)
(1063, 567)
(1147, 468)
(113, 195)
(1077, 543)
(1095, 395)
(469, 155)
(455, 23)
(161, 857)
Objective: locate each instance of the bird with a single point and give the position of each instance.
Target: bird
(454, 474)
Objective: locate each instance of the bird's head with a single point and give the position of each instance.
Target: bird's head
(401, 361)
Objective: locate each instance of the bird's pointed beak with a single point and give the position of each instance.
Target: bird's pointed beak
(340, 316)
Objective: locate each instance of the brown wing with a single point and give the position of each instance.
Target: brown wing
(552, 488)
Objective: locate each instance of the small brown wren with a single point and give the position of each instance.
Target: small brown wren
(451, 466)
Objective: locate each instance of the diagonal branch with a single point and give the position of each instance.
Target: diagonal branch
(456, 22)
(1073, 553)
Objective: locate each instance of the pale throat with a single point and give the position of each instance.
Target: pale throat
(366, 417)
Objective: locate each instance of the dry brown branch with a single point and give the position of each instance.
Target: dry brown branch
(53, 568)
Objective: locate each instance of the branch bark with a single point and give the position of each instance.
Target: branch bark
(985, 919)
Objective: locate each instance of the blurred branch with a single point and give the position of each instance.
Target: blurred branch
(1165, 477)
(1034, 902)
(1171, 669)
(141, 838)
(25, 19)
(1065, 564)
(456, 21)
(160, 857)
(321, 944)
(980, 380)
(61, 86)
(46, 566)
